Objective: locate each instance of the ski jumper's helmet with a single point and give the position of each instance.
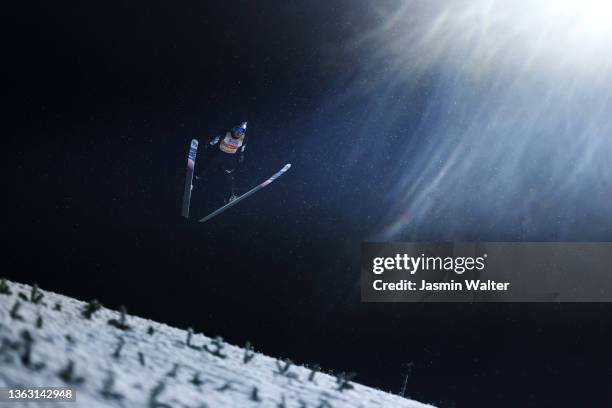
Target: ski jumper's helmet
(240, 130)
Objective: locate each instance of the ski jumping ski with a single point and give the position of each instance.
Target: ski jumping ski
(193, 150)
(248, 193)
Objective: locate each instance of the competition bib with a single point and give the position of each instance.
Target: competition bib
(229, 144)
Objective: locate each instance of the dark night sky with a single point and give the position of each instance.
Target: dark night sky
(105, 100)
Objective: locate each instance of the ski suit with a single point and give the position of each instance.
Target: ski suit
(223, 156)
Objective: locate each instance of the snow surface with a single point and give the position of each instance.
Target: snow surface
(150, 364)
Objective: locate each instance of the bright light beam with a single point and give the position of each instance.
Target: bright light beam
(516, 135)
(593, 16)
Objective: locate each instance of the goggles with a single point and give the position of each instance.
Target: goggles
(238, 131)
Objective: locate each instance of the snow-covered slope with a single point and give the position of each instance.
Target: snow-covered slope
(50, 340)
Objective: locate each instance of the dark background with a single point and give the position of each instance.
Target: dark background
(104, 100)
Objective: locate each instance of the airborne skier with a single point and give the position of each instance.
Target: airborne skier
(224, 155)
(220, 167)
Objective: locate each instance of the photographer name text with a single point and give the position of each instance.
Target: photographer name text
(424, 286)
(414, 264)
